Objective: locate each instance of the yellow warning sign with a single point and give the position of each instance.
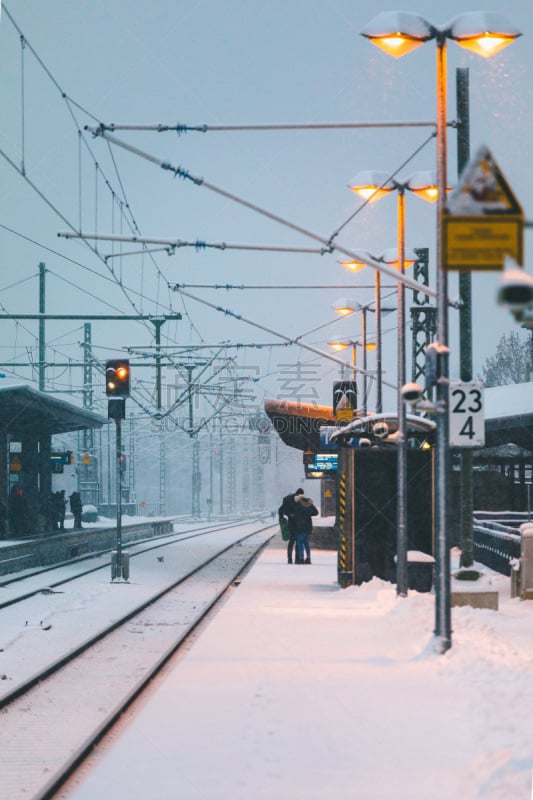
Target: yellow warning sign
(478, 243)
(483, 221)
(344, 414)
(86, 459)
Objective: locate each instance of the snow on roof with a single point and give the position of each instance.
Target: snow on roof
(508, 401)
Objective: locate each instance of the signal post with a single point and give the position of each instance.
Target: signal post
(117, 387)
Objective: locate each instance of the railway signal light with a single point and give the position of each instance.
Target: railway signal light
(117, 377)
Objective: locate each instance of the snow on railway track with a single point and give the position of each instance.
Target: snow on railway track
(47, 730)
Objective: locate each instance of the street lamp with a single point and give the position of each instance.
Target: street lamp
(389, 257)
(371, 185)
(397, 33)
(344, 307)
(343, 344)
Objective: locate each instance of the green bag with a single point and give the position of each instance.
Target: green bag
(284, 528)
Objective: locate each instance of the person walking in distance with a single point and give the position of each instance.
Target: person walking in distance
(286, 515)
(304, 510)
(76, 507)
(59, 503)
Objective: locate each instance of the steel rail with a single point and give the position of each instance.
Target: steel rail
(52, 668)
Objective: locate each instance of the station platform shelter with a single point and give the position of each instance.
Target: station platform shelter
(30, 417)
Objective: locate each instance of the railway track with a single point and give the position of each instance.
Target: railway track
(51, 720)
(86, 565)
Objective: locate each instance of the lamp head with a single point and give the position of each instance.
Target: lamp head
(390, 257)
(482, 32)
(424, 185)
(360, 261)
(339, 344)
(371, 185)
(398, 32)
(345, 306)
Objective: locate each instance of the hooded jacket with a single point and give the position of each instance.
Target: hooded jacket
(303, 511)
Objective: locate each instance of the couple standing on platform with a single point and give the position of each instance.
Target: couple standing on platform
(295, 513)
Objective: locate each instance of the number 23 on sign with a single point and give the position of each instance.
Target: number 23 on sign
(467, 416)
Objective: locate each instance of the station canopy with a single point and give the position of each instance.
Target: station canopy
(298, 424)
(25, 410)
(509, 415)
(508, 419)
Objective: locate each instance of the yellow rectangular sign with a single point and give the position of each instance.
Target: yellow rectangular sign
(344, 414)
(481, 242)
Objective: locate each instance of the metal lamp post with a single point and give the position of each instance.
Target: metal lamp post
(343, 344)
(356, 264)
(371, 186)
(345, 307)
(397, 33)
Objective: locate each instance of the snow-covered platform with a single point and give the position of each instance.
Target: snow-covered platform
(56, 547)
(298, 689)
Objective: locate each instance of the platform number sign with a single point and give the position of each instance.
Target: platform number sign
(467, 416)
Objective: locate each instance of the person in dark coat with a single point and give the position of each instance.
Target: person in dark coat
(3, 518)
(286, 515)
(76, 507)
(62, 507)
(303, 511)
(15, 510)
(59, 503)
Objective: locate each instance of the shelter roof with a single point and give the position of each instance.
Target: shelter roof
(508, 419)
(364, 426)
(509, 415)
(25, 410)
(298, 424)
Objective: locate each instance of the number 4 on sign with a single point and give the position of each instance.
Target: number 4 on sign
(467, 414)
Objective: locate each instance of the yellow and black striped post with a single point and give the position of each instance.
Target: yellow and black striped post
(345, 559)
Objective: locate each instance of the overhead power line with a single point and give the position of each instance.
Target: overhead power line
(297, 126)
(177, 286)
(175, 244)
(180, 172)
(287, 339)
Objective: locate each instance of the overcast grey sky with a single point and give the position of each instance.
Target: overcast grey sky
(287, 61)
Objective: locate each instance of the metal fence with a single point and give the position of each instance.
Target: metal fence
(496, 545)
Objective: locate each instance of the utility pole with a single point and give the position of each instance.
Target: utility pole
(88, 471)
(157, 323)
(221, 469)
(465, 327)
(42, 340)
(245, 473)
(131, 463)
(231, 474)
(162, 469)
(196, 477)
(423, 317)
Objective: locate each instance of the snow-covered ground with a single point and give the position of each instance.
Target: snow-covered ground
(298, 689)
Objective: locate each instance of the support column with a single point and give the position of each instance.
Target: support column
(45, 481)
(30, 485)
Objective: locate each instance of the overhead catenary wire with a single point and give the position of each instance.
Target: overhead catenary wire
(288, 339)
(214, 127)
(296, 126)
(389, 178)
(320, 125)
(70, 103)
(180, 172)
(174, 244)
(69, 259)
(280, 286)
